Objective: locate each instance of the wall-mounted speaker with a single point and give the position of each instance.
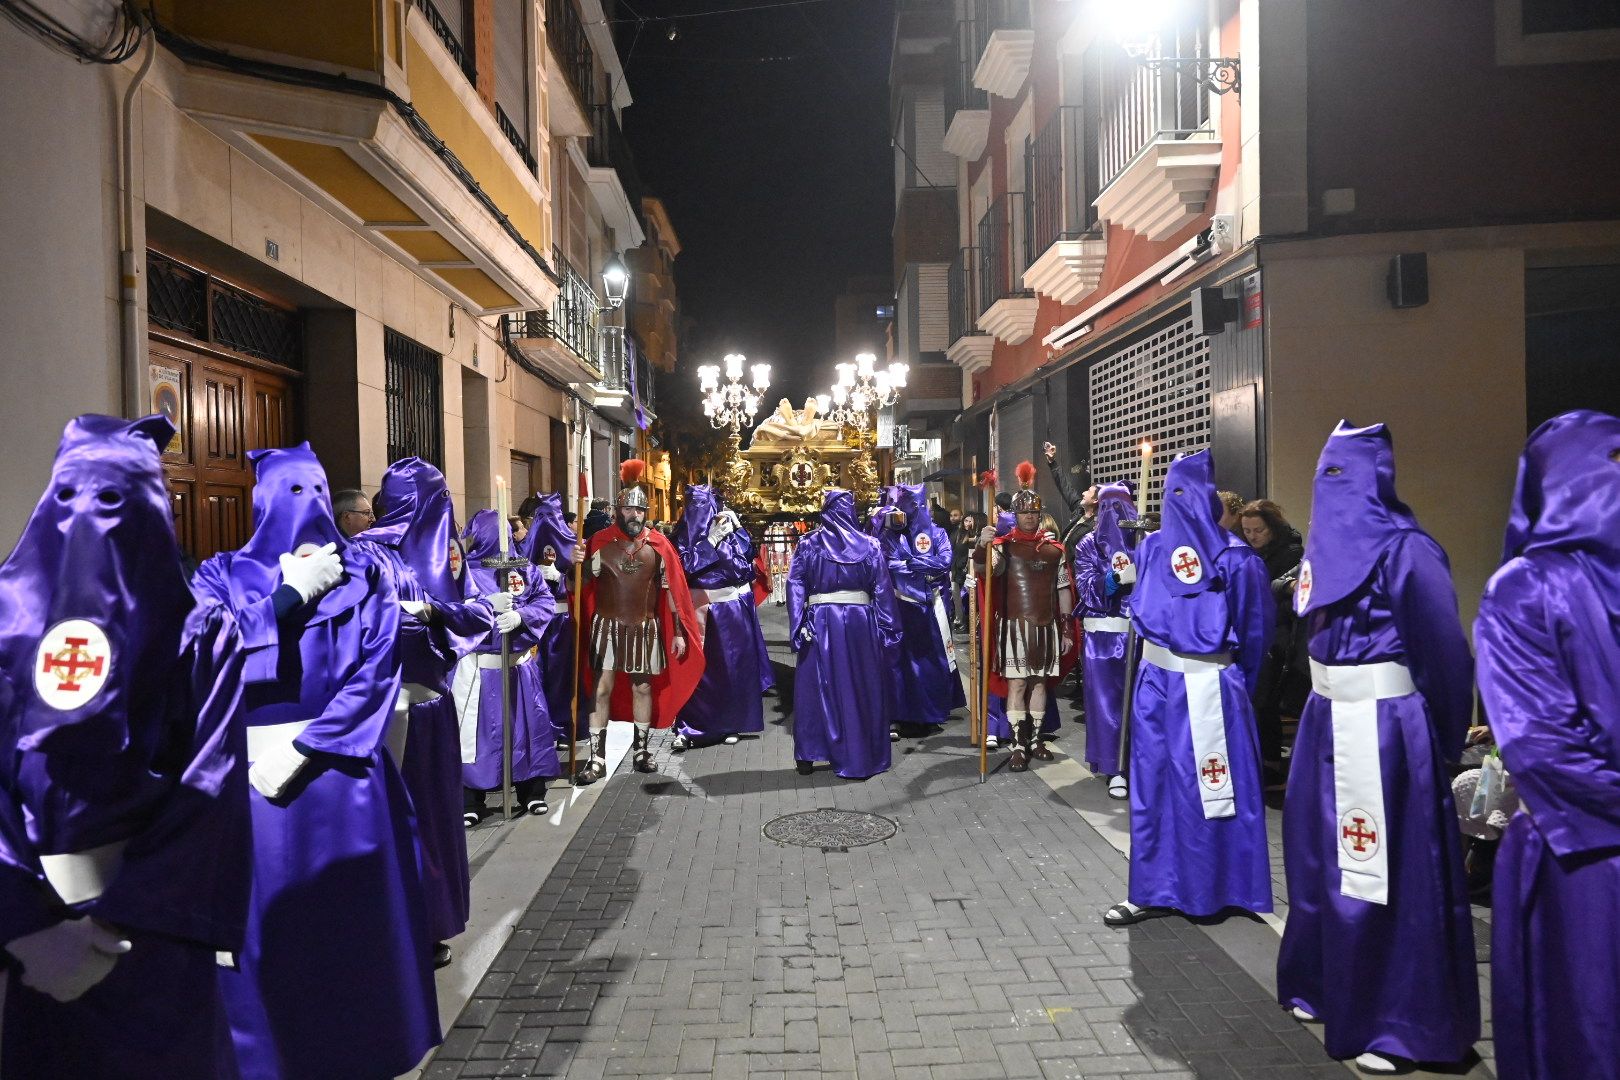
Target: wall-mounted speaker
(1211, 311)
(1408, 281)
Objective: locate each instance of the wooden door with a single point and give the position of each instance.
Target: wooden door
(222, 409)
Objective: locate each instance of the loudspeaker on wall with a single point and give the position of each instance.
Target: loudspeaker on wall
(1408, 281)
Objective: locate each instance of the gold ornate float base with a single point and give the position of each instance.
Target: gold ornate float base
(791, 478)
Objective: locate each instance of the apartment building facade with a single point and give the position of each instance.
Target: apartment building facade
(377, 225)
(1233, 226)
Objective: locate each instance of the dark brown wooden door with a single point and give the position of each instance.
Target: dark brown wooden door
(223, 409)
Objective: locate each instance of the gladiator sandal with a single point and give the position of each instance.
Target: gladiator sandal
(1041, 752)
(639, 745)
(596, 768)
(1020, 755)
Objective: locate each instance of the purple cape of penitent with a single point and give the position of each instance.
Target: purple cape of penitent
(839, 538)
(548, 529)
(417, 520)
(1191, 518)
(1355, 514)
(1567, 498)
(100, 547)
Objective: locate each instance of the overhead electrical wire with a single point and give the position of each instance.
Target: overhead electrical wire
(121, 44)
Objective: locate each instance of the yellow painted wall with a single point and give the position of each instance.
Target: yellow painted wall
(342, 32)
(469, 140)
(1448, 378)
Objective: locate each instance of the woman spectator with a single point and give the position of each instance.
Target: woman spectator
(1285, 676)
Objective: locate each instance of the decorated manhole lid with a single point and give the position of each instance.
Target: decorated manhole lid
(830, 830)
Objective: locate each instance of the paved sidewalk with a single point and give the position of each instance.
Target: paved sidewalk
(673, 939)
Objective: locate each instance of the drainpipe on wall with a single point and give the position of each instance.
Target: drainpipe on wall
(129, 263)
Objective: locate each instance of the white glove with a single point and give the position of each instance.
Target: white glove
(67, 958)
(1127, 575)
(500, 601)
(724, 524)
(416, 609)
(312, 575)
(508, 621)
(271, 774)
(550, 573)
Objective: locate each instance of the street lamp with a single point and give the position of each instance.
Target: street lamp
(1137, 24)
(615, 281)
(862, 389)
(735, 404)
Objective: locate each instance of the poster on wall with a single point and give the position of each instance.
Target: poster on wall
(995, 444)
(1253, 304)
(167, 387)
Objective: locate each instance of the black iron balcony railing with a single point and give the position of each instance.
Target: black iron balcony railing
(960, 93)
(1140, 105)
(572, 321)
(1060, 178)
(519, 142)
(1003, 251)
(608, 149)
(575, 56)
(451, 36)
(964, 293)
(1007, 14)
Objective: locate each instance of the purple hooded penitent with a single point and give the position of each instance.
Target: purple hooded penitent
(1549, 673)
(844, 627)
(1380, 943)
(477, 684)
(720, 571)
(924, 685)
(324, 985)
(1203, 609)
(549, 532)
(119, 705)
(1105, 610)
(413, 538)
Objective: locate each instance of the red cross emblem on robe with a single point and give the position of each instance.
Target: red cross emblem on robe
(924, 544)
(456, 557)
(1213, 772)
(72, 664)
(1359, 834)
(1186, 565)
(1302, 588)
(1121, 562)
(514, 582)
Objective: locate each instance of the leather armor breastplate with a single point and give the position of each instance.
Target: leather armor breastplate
(1030, 589)
(627, 583)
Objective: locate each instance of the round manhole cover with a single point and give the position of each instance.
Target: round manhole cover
(830, 829)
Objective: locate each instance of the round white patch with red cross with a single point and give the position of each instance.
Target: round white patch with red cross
(1214, 773)
(1120, 563)
(72, 665)
(1360, 834)
(514, 582)
(1302, 588)
(458, 555)
(1186, 565)
(924, 544)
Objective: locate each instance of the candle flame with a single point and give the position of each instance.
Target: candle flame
(1147, 448)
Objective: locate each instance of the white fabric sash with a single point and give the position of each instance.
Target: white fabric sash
(84, 875)
(1109, 624)
(1353, 692)
(945, 629)
(1206, 720)
(464, 687)
(261, 739)
(842, 596)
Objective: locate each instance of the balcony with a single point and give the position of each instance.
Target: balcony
(611, 173)
(576, 60)
(564, 340)
(451, 36)
(1158, 154)
(969, 349)
(1007, 309)
(967, 107)
(1063, 227)
(626, 382)
(1003, 65)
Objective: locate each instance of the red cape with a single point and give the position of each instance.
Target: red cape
(762, 578)
(1071, 648)
(674, 686)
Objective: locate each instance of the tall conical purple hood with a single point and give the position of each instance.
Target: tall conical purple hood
(416, 520)
(1355, 515)
(1568, 494)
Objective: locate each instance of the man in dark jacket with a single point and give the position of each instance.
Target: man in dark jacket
(597, 519)
(1082, 504)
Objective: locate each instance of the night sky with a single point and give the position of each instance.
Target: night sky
(777, 174)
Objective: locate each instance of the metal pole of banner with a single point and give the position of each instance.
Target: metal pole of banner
(976, 718)
(1128, 696)
(987, 621)
(578, 602)
(502, 566)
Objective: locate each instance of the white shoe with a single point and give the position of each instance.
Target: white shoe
(679, 742)
(991, 742)
(894, 735)
(731, 740)
(1301, 1015)
(1377, 1064)
(1118, 788)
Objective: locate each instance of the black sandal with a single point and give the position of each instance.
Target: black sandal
(1128, 914)
(537, 807)
(471, 818)
(590, 772)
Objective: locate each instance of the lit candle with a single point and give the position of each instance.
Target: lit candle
(1142, 483)
(500, 509)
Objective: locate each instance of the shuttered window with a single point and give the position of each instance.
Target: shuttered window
(413, 388)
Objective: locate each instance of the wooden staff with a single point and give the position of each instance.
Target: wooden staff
(577, 600)
(989, 624)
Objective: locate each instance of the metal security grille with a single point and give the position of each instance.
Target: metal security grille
(415, 419)
(176, 296)
(249, 325)
(1156, 388)
(191, 302)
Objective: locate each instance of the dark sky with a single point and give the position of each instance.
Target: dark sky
(777, 174)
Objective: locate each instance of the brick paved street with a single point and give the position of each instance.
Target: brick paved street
(673, 939)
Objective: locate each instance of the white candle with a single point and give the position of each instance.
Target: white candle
(500, 509)
(1142, 483)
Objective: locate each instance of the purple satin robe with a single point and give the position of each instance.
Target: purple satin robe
(1395, 978)
(335, 976)
(1549, 673)
(728, 699)
(151, 756)
(924, 685)
(1179, 858)
(840, 704)
(1103, 661)
(534, 737)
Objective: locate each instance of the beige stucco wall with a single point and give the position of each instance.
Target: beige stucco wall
(1448, 378)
